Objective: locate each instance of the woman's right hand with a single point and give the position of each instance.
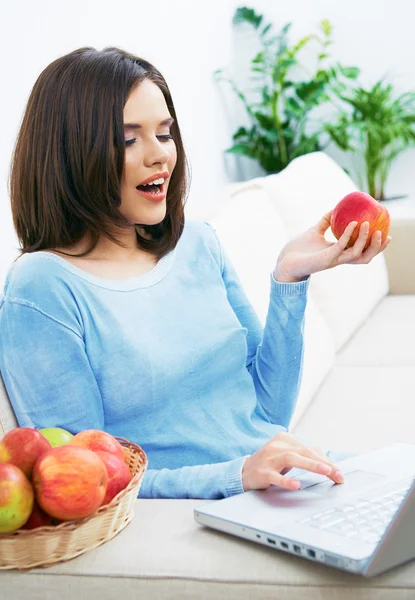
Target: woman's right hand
(268, 465)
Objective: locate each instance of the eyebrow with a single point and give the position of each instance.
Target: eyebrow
(128, 126)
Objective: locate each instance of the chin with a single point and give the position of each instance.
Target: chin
(150, 222)
(154, 218)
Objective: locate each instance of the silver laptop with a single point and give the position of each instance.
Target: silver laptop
(365, 525)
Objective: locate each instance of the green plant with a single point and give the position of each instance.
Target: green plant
(281, 121)
(377, 126)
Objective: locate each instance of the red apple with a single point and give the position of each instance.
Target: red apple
(16, 498)
(360, 207)
(119, 475)
(95, 439)
(70, 482)
(22, 447)
(38, 518)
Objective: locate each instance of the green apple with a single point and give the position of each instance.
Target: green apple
(56, 436)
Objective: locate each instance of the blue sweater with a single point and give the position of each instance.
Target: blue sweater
(175, 360)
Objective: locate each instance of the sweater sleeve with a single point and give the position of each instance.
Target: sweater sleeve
(275, 352)
(50, 383)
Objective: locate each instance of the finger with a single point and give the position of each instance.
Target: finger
(323, 458)
(385, 243)
(310, 451)
(357, 248)
(376, 246)
(298, 459)
(284, 482)
(339, 247)
(324, 223)
(334, 473)
(373, 248)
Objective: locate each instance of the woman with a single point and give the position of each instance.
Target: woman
(119, 316)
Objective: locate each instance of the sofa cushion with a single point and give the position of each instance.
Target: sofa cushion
(309, 187)
(253, 234)
(386, 339)
(367, 400)
(7, 417)
(360, 409)
(164, 554)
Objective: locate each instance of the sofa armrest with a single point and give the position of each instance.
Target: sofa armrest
(400, 257)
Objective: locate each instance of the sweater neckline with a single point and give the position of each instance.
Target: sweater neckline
(148, 279)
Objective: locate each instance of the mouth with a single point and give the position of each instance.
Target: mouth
(155, 193)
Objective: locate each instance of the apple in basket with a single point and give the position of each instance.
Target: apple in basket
(22, 447)
(95, 439)
(119, 475)
(16, 498)
(70, 482)
(38, 518)
(56, 436)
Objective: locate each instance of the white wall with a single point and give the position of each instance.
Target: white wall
(187, 40)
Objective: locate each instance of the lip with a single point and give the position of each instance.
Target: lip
(165, 175)
(152, 196)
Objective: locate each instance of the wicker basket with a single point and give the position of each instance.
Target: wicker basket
(44, 546)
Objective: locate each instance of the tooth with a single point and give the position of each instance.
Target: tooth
(159, 181)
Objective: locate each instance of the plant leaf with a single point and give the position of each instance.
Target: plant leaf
(247, 15)
(242, 149)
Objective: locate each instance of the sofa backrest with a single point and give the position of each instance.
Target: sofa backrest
(7, 417)
(253, 234)
(302, 193)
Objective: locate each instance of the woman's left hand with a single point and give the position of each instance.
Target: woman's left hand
(310, 252)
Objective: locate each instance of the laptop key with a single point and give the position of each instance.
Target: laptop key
(368, 517)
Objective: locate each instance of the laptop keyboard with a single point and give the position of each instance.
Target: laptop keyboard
(367, 517)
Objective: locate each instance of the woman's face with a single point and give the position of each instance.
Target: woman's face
(149, 151)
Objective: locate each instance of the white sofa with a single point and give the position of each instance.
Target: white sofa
(357, 393)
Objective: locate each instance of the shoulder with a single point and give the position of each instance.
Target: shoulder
(37, 281)
(201, 237)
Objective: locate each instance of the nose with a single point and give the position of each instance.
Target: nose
(156, 153)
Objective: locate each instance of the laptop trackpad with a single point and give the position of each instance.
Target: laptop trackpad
(354, 481)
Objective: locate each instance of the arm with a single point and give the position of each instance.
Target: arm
(50, 383)
(201, 481)
(274, 354)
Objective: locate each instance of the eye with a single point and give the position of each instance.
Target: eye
(162, 138)
(165, 138)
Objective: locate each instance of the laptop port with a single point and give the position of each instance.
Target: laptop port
(284, 545)
(297, 549)
(311, 553)
(270, 541)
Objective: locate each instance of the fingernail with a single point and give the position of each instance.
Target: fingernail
(339, 477)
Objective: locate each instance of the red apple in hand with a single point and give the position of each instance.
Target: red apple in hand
(70, 482)
(22, 447)
(119, 475)
(16, 498)
(95, 439)
(360, 207)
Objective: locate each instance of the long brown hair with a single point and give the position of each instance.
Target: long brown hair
(68, 159)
